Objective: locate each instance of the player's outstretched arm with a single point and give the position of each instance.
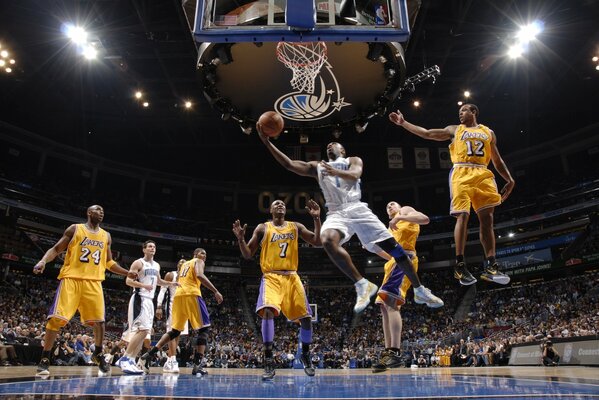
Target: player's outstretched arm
(248, 249)
(409, 214)
(302, 168)
(206, 282)
(431, 134)
(55, 250)
(502, 169)
(311, 237)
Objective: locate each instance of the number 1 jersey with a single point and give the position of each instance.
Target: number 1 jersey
(86, 255)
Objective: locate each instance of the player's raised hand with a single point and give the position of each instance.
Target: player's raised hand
(261, 134)
(39, 267)
(313, 208)
(328, 169)
(238, 230)
(396, 117)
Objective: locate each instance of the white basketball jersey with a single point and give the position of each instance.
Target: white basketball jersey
(150, 271)
(172, 289)
(338, 191)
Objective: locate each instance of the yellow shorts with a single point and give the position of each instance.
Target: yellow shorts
(283, 293)
(78, 294)
(395, 284)
(472, 186)
(189, 308)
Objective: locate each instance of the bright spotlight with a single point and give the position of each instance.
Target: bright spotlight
(460, 103)
(77, 34)
(597, 67)
(188, 104)
(529, 32)
(8, 70)
(467, 93)
(2, 63)
(12, 61)
(511, 234)
(146, 104)
(89, 52)
(515, 51)
(416, 103)
(4, 53)
(595, 59)
(138, 95)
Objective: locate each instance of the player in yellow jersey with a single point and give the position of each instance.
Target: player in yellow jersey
(281, 289)
(188, 305)
(80, 288)
(472, 184)
(404, 225)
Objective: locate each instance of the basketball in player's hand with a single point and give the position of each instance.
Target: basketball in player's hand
(271, 123)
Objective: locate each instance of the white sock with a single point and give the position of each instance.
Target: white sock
(361, 282)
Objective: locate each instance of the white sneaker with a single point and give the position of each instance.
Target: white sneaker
(364, 292)
(423, 295)
(128, 366)
(168, 366)
(175, 365)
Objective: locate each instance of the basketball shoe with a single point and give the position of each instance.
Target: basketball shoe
(199, 368)
(43, 368)
(307, 363)
(492, 274)
(100, 360)
(461, 273)
(389, 359)
(269, 370)
(423, 295)
(364, 292)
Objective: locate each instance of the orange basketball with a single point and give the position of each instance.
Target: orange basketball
(271, 123)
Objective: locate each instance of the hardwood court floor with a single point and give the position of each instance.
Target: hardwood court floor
(402, 383)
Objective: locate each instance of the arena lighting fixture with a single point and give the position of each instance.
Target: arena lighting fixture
(138, 94)
(466, 93)
(8, 70)
(529, 32)
(246, 127)
(460, 103)
(89, 52)
(77, 34)
(4, 54)
(515, 50)
(361, 125)
(597, 67)
(595, 59)
(511, 234)
(188, 104)
(146, 104)
(416, 104)
(2, 63)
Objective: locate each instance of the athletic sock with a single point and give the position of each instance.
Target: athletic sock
(459, 258)
(490, 260)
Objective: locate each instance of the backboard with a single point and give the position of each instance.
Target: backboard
(232, 21)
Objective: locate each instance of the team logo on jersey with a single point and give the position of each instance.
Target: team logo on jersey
(282, 236)
(322, 101)
(474, 135)
(91, 242)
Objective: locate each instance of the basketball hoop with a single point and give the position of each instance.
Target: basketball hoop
(305, 59)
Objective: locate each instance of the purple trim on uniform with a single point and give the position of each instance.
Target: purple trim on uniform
(52, 310)
(450, 191)
(260, 302)
(307, 304)
(487, 206)
(203, 312)
(268, 330)
(306, 335)
(393, 284)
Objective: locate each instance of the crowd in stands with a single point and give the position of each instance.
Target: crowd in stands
(498, 319)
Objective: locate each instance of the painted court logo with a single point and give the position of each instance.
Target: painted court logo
(317, 94)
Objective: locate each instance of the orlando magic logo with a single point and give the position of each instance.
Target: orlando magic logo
(314, 98)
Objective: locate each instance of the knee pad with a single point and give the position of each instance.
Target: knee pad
(54, 324)
(398, 253)
(202, 339)
(173, 334)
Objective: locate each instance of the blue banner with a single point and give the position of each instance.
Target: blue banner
(530, 258)
(541, 244)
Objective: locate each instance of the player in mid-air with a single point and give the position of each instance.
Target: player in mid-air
(472, 184)
(339, 180)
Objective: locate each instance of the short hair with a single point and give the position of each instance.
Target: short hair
(147, 242)
(473, 108)
(197, 251)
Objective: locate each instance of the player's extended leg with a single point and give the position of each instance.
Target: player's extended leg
(306, 339)
(127, 362)
(98, 356)
(199, 360)
(487, 239)
(422, 295)
(49, 339)
(392, 326)
(340, 257)
(460, 234)
(268, 335)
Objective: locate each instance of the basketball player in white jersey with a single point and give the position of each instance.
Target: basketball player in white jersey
(141, 307)
(166, 296)
(339, 180)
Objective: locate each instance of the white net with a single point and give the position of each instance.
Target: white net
(305, 60)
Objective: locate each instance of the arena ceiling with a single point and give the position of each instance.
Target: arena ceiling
(146, 45)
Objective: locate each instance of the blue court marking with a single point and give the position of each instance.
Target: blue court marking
(323, 386)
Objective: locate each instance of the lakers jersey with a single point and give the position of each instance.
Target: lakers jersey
(471, 145)
(279, 248)
(338, 191)
(406, 234)
(189, 283)
(86, 255)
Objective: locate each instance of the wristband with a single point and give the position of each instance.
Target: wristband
(110, 264)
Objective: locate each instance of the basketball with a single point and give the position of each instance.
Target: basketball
(271, 123)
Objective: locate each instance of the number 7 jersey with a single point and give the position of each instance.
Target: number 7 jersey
(86, 255)
(471, 145)
(279, 247)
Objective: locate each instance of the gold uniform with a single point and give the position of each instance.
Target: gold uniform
(188, 304)
(281, 288)
(395, 284)
(81, 277)
(471, 183)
